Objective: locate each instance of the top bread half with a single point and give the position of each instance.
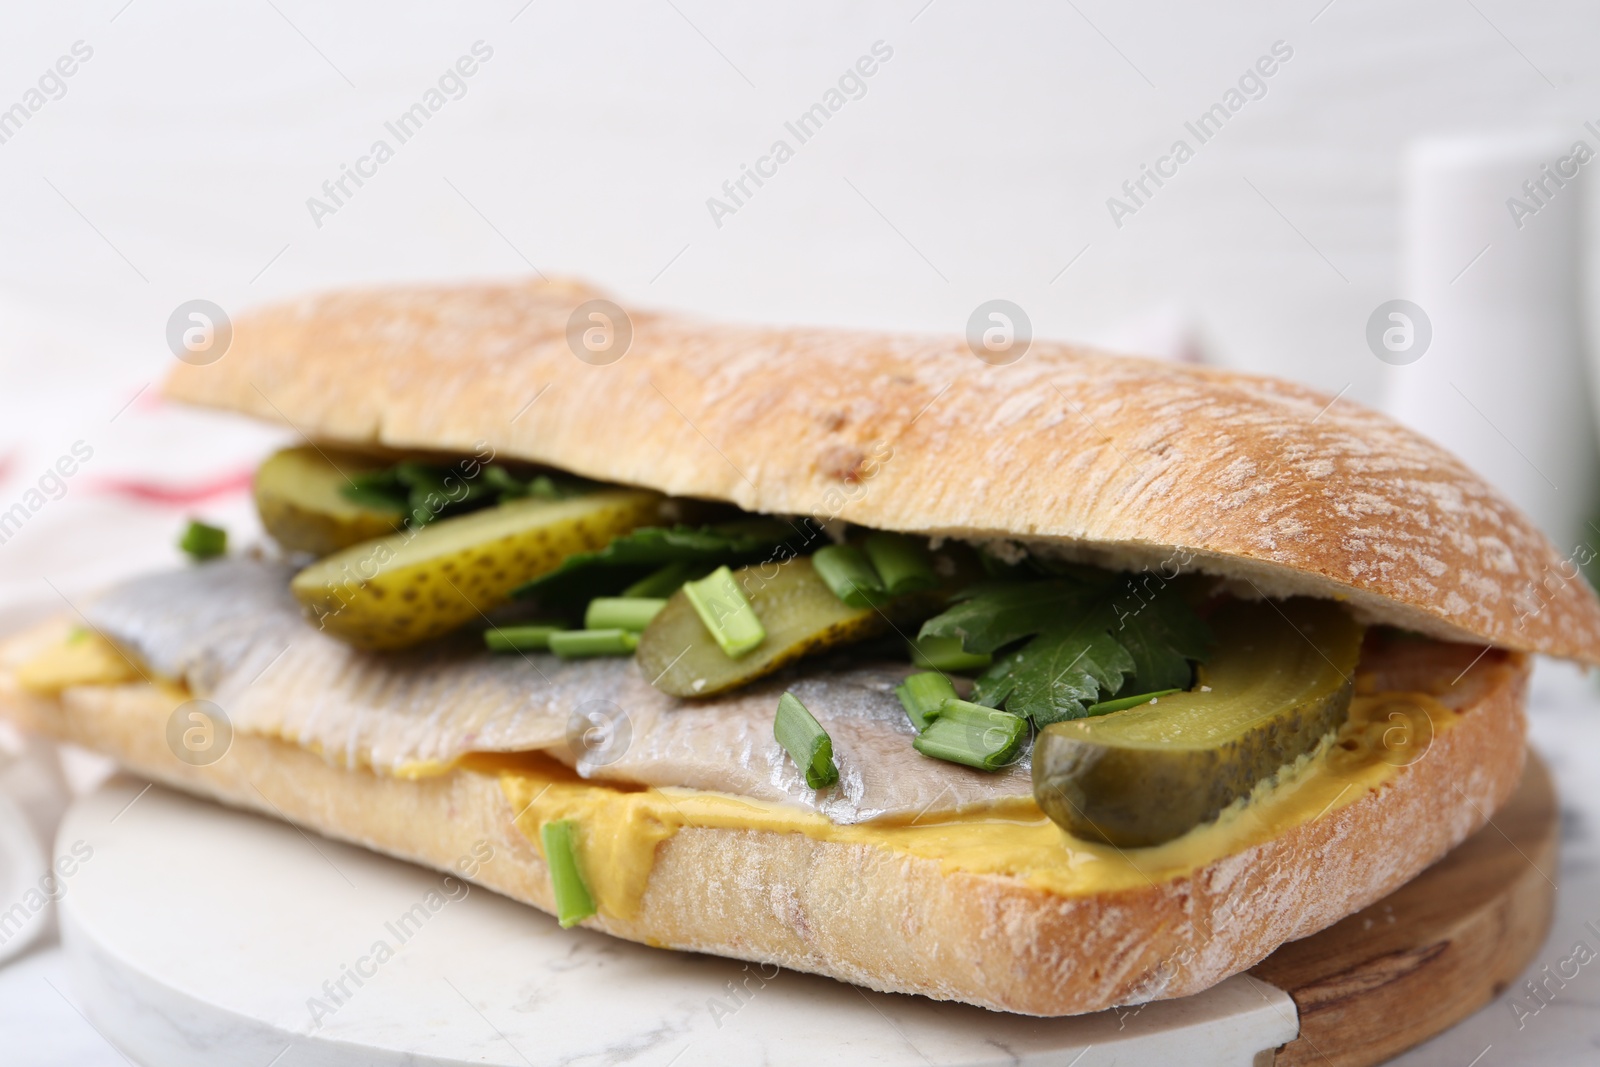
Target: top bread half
(1113, 460)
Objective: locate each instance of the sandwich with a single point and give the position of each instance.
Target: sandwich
(1044, 686)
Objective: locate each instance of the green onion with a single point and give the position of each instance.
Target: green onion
(848, 573)
(573, 902)
(202, 541)
(903, 563)
(520, 638)
(726, 613)
(807, 743)
(663, 582)
(621, 612)
(1106, 707)
(576, 644)
(963, 732)
(945, 654)
(922, 695)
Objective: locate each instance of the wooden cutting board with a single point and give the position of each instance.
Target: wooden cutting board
(1434, 951)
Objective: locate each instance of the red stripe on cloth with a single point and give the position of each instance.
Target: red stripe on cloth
(177, 494)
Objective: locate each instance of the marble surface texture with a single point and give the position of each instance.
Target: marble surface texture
(201, 936)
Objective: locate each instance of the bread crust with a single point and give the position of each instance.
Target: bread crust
(872, 915)
(1122, 461)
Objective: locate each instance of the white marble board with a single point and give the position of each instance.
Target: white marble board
(198, 935)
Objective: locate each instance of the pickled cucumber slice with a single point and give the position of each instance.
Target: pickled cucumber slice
(797, 609)
(1279, 682)
(417, 584)
(299, 494)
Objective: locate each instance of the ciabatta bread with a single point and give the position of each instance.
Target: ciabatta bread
(1121, 461)
(877, 916)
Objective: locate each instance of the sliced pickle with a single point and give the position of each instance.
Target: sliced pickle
(796, 608)
(1279, 682)
(299, 494)
(417, 584)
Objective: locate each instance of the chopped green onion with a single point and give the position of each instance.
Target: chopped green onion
(621, 612)
(520, 638)
(922, 695)
(663, 582)
(577, 644)
(726, 613)
(963, 732)
(573, 902)
(202, 541)
(946, 654)
(807, 743)
(848, 573)
(903, 563)
(1106, 707)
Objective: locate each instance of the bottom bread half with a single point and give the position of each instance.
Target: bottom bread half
(872, 915)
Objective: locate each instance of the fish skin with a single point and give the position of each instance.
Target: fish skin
(232, 632)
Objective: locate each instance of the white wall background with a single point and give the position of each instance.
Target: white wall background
(593, 137)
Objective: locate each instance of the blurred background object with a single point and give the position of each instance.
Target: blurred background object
(33, 795)
(1491, 252)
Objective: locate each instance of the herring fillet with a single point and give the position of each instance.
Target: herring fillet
(231, 631)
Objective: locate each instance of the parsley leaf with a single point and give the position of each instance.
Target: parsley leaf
(1084, 639)
(1059, 673)
(1162, 634)
(991, 615)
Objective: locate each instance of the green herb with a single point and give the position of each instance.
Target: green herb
(990, 615)
(509, 488)
(1065, 642)
(579, 644)
(534, 638)
(945, 654)
(573, 902)
(372, 497)
(622, 612)
(646, 551)
(963, 732)
(427, 491)
(721, 605)
(807, 743)
(666, 581)
(203, 542)
(922, 695)
(849, 574)
(1106, 707)
(903, 563)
